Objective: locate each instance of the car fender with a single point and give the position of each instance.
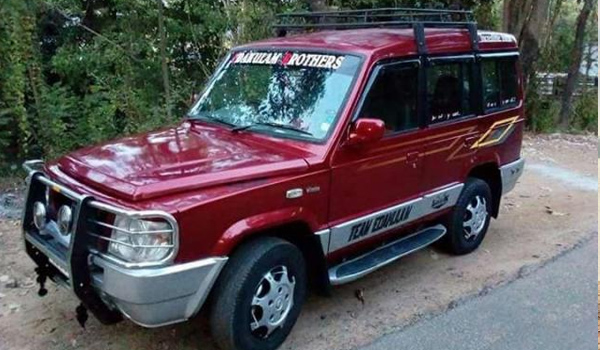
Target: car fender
(243, 229)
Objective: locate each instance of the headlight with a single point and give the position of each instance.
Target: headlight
(140, 240)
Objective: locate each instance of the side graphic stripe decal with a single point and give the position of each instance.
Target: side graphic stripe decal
(396, 216)
(496, 133)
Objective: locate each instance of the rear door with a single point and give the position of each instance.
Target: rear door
(472, 110)
(451, 118)
(385, 174)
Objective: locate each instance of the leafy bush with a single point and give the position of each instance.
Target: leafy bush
(585, 112)
(543, 117)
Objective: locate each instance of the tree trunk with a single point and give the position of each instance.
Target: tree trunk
(553, 17)
(589, 60)
(527, 21)
(532, 36)
(163, 58)
(577, 54)
(515, 14)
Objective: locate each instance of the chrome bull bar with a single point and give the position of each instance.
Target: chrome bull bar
(70, 268)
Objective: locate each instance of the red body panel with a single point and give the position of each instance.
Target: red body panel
(222, 187)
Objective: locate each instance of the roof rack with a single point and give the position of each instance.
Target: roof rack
(397, 17)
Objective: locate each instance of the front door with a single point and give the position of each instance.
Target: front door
(372, 185)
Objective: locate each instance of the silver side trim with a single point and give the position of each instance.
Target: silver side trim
(510, 173)
(393, 217)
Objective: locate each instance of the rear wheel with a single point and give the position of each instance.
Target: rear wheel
(258, 297)
(469, 221)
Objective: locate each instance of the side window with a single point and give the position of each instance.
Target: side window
(507, 72)
(449, 87)
(491, 84)
(393, 97)
(500, 82)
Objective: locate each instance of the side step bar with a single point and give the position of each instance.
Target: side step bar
(356, 268)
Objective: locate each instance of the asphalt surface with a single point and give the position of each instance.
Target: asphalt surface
(553, 308)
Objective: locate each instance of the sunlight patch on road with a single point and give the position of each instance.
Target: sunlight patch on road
(564, 176)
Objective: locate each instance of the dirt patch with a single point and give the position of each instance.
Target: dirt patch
(11, 197)
(541, 218)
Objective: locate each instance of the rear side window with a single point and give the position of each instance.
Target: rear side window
(393, 97)
(449, 88)
(500, 82)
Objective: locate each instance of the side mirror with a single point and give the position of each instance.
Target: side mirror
(365, 131)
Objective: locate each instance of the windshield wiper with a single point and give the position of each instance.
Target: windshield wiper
(213, 119)
(273, 125)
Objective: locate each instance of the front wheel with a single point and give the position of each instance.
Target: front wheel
(469, 221)
(257, 298)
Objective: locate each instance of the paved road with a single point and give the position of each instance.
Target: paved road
(554, 308)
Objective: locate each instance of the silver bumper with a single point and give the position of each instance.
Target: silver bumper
(510, 173)
(156, 297)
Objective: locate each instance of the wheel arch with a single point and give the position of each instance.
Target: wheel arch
(490, 173)
(300, 234)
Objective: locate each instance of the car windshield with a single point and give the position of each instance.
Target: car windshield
(283, 93)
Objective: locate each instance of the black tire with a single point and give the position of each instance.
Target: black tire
(232, 295)
(456, 240)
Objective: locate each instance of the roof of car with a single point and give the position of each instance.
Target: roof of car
(387, 41)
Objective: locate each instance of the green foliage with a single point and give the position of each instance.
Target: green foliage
(78, 72)
(542, 115)
(13, 48)
(556, 56)
(94, 71)
(585, 112)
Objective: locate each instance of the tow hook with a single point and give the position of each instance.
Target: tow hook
(82, 315)
(41, 279)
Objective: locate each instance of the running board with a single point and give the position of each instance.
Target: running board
(356, 268)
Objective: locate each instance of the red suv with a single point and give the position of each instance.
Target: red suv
(310, 158)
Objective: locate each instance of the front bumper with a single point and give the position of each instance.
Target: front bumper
(156, 297)
(150, 296)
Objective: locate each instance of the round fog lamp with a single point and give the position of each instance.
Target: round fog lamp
(39, 215)
(64, 219)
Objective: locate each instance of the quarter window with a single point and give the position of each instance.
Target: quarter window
(393, 97)
(500, 83)
(449, 91)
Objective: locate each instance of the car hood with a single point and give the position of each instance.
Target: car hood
(178, 159)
